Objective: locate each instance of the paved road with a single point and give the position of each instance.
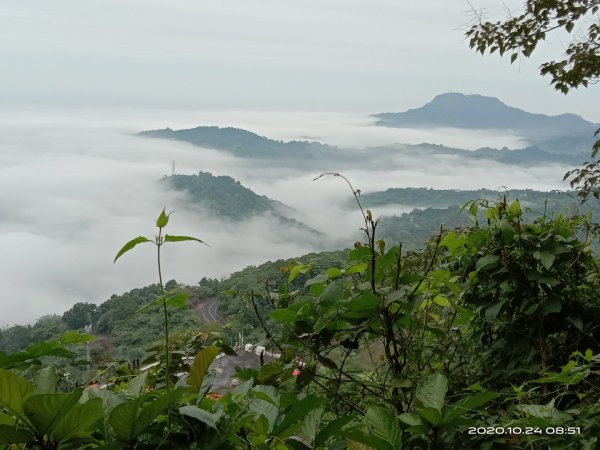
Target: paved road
(208, 311)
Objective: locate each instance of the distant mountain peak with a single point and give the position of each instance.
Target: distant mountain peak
(474, 111)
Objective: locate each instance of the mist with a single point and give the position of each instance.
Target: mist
(76, 185)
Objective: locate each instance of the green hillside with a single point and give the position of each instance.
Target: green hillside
(240, 142)
(227, 198)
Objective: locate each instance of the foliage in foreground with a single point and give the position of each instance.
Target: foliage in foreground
(487, 339)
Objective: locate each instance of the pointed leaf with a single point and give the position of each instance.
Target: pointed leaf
(136, 386)
(11, 435)
(206, 417)
(131, 418)
(14, 391)
(75, 337)
(486, 261)
(432, 391)
(79, 421)
(46, 380)
(298, 411)
(170, 238)
(123, 418)
(163, 219)
(469, 404)
(178, 300)
(384, 425)
(44, 411)
(131, 244)
(431, 415)
(331, 429)
(202, 362)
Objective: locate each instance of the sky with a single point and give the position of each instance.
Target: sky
(78, 79)
(315, 55)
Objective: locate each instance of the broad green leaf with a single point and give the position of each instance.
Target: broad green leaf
(552, 306)
(206, 417)
(170, 238)
(178, 300)
(202, 362)
(431, 415)
(207, 383)
(297, 270)
(267, 393)
(334, 272)
(33, 352)
(298, 411)
(265, 408)
(309, 427)
(269, 370)
(135, 387)
(432, 391)
(366, 305)
(79, 421)
(14, 391)
(283, 315)
(131, 244)
(11, 435)
(359, 440)
(44, 411)
(548, 412)
(45, 380)
(356, 268)
(546, 258)
(109, 399)
(332, 294)
(441, 300)
(576, 322)
(411, 419)
(507, 230)
(131, 418)
(123, 418)
(163, 219)
(491, 312)
(384, 425)
(486, 262)
(75, 337)
(331, 429)
(469, 404)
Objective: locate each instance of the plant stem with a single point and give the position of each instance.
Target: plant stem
(165, 312)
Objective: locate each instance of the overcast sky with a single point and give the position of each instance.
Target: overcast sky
(314, 55)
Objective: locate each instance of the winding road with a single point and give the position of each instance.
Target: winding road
(208, 310)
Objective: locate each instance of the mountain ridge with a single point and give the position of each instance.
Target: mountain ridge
(240, 142)
(456, 110)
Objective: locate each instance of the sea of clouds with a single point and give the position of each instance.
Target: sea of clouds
(75, 185)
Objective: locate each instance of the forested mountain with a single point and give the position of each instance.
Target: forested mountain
(121, 333)
(227, 198)
(433, 207)
(518, 157)
(455, 110)
(242, 143)
(572, 149)
(223, 195)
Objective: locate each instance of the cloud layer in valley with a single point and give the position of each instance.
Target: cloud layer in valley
(74, 188)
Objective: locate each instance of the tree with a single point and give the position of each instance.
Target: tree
(579, 66)
(80, 315)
